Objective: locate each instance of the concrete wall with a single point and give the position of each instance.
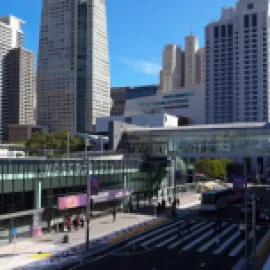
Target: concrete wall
(187, 102)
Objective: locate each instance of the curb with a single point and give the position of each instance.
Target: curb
(136, 230)
(264, 248)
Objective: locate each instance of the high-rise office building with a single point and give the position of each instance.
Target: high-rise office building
(171, 73)
(182, 68)
(191, 48)
(11, 36)
(73, 78)
(237, 72)
(19, 90)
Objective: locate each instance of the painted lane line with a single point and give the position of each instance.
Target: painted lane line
(227, 243)
(167, 227)
(161, 244)
(198, 240)
(213, 240)
(238, 248)
(177, 243)
(160, 236)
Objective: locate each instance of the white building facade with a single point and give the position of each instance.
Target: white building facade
(237, 73)
(73, 79)
(186, 102)
(142, 120)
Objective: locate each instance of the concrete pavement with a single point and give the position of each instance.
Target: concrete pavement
(24, 252)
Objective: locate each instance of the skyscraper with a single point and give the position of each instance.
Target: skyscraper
(182, 68)
(237, 72)
(73, 78)
(171, 73)
(19, 92)
(11, 36)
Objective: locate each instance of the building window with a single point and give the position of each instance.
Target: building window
(250, 6)
(216, 32)
(254, 20)
(246, 21)
(230, 30)
(223, 31)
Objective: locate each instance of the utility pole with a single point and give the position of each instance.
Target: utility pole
(88, 181)
(246, 216)
(254, 225)
(68, 137)
(85, 144)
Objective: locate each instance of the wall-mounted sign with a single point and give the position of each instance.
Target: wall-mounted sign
(75, 201)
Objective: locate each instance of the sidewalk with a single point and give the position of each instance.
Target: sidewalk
(25, 251)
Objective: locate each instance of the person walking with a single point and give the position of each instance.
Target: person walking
(82, 218)
(69, 224)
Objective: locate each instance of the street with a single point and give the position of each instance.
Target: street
(197, 247)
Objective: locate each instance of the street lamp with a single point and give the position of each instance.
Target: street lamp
(246, 217)
(88, 183)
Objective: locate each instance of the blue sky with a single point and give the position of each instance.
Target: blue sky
(138, 30)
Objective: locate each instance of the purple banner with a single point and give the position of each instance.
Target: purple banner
(72, 201)
(81, 200)
(238, 183)
(94, 185)
(110, 195)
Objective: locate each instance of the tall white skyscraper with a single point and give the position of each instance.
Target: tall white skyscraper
(171, 73)
(182, 68)
(237, 73)
(73, 78)
(191, 48)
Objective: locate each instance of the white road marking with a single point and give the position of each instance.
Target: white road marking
(153, 233)
(177, 243)
(213, 240)
(238, 248)
(161, 244)
(160, 236)
(198, 240)
(227, 243)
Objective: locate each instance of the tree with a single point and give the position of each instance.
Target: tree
(56, 141)
(213, 167)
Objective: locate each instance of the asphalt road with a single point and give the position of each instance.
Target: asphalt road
(197, 247)
(162, 259)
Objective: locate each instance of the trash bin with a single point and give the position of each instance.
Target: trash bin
(65, 239)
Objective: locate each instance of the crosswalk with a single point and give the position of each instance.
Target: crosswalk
(199, 237)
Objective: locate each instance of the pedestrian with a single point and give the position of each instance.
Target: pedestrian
(69, 224)
(82, 218)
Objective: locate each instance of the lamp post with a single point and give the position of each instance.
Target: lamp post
(254, 225)
(88, 205)
(68, 138)
(246, 217)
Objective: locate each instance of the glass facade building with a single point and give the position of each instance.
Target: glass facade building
(32, 187)
(240, 142)
(141, 91)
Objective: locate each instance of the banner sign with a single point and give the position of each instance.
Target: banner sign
(73, 201)
(94, 185)
(81, 200)
(238, 183)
